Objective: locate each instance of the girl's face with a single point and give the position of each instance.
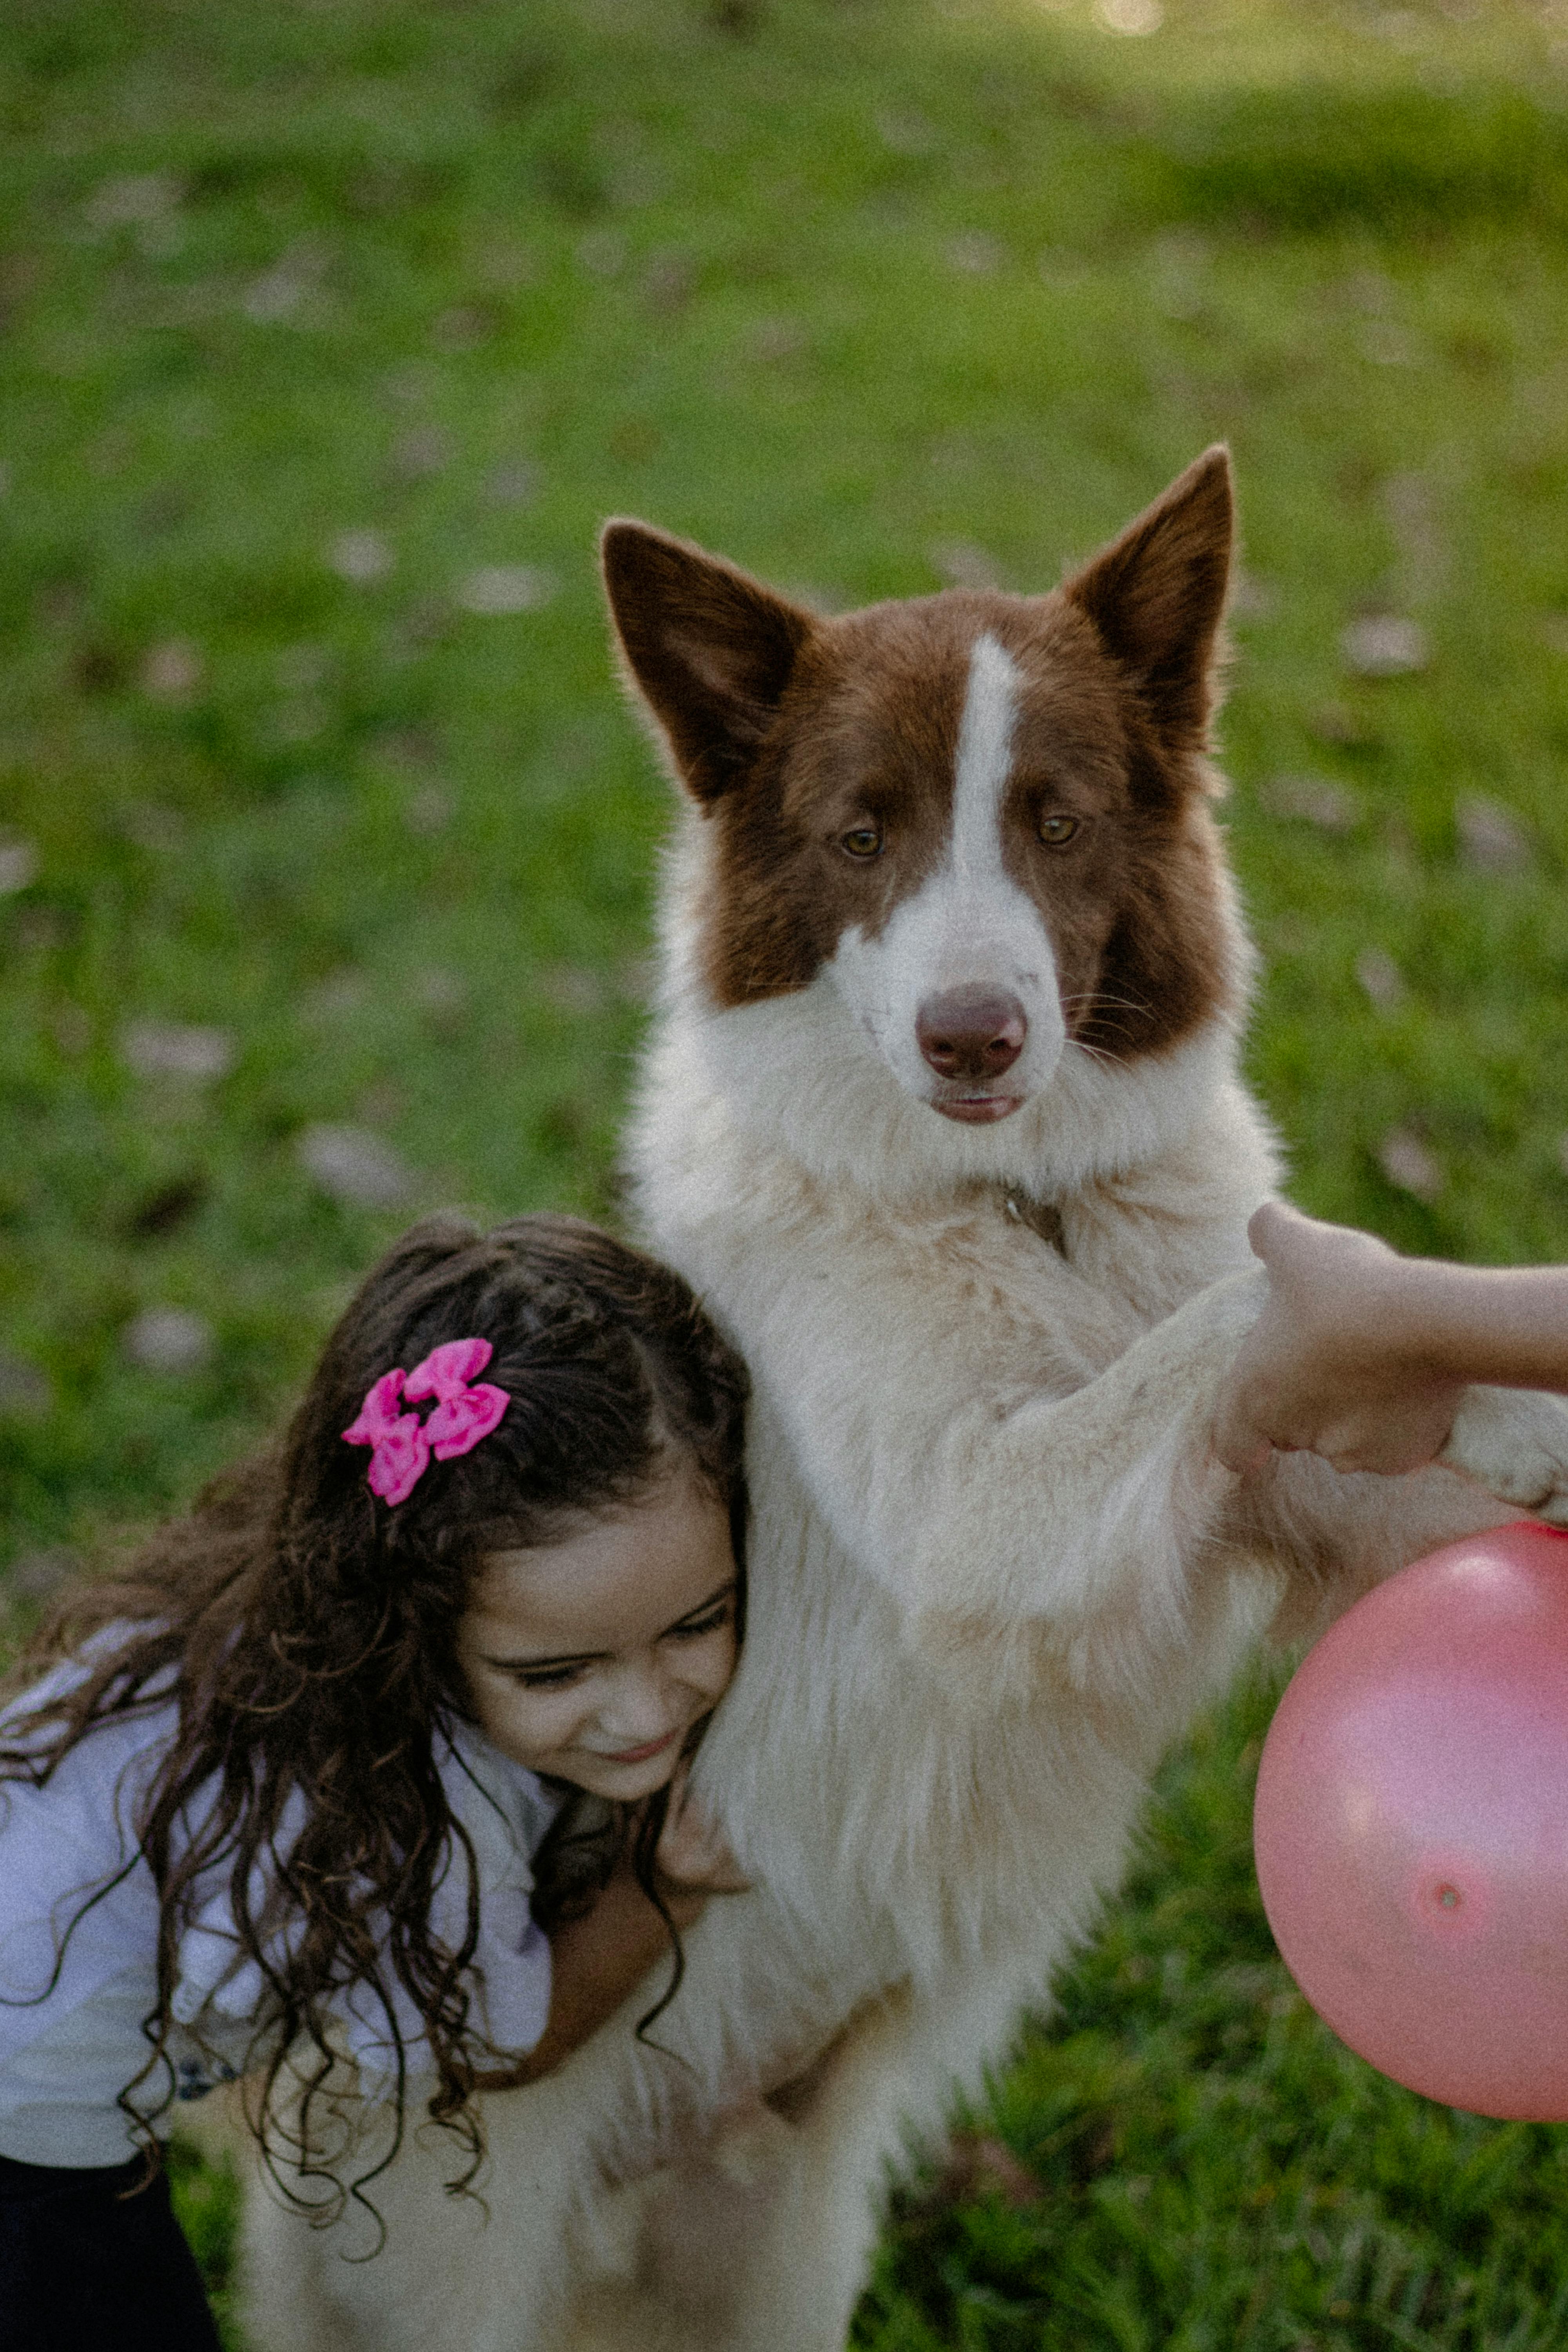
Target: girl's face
(590, 1659)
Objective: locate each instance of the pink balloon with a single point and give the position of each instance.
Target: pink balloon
(1411, 1826)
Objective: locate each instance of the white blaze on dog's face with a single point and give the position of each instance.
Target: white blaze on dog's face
(977, 820)
(958, 991)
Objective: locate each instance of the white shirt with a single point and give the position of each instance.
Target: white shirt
(71, 2004)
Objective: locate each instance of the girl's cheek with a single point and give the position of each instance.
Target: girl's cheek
(712, 1667)
(553, 1719)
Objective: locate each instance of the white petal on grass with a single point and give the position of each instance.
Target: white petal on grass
(356, 1166)
(430, 809)
(19, 864)
(1131, 16)
(275, 295)
(421, 452)
(299, 668)
(172, 671)
(441, 993)
(602, 253)
(463, 328)
(498, 588)
(153, 827)
(513, 483)
(572, 988)
(1388, 345)
(781, 337)
(1318, 800)
(1252, 598)
(1384, 644)
(339, 996)
(39, 1574)
(132, 197)
(1380, 978)
(177, 1049)
(360, 556)
(976, 254)
(291, 290)
(26, 1394)
(1491, 839)
(1408, 1165)
(169, 1339)
(905, 130)
(963, 564)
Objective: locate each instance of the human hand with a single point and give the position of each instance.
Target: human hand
(1329, 1367)
(692, 1859)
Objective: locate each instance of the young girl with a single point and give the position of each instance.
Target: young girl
(311, 1784)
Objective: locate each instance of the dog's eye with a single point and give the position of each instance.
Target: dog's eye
(862, 841)
(1056, 828)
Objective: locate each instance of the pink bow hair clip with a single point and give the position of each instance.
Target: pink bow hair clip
(466, 1411)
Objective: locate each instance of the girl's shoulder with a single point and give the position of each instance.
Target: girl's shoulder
(90, 1791)
(503, 1806)
(65, 1675)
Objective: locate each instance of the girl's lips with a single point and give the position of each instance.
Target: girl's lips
(640, 1755)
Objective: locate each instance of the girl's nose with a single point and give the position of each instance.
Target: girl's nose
(641, 1708)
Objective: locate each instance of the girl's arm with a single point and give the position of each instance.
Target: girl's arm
(1360, 1356)
(597, 1960)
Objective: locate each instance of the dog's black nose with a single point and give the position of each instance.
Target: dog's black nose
(971, 1032)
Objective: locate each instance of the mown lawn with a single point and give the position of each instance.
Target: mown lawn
(331, 331)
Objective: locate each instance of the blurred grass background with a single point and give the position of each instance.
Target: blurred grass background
(331, 333)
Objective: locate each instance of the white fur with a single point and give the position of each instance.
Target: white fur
(969, 923)
(994, 1571)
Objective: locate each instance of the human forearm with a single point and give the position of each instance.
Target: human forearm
(598, 1959)
(1504, 1325)
(595, 1962)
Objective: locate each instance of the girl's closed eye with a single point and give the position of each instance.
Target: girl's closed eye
(709, 1621)
(549, 1677)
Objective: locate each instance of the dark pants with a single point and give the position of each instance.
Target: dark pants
(86, 2268)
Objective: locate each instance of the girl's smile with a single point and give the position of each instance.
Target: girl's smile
(591, 1658)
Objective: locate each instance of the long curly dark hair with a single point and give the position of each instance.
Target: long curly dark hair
(308, 1633)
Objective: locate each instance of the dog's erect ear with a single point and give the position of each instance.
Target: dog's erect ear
(710, 649)
(1156, 594)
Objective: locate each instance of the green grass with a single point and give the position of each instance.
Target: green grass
(862, 293)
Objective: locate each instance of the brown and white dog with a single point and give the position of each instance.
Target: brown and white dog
(941, 1116)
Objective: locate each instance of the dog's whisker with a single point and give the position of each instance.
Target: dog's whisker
(1097, 996)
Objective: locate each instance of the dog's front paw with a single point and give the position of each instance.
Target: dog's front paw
(1514, 1443)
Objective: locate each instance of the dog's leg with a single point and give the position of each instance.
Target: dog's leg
(759, 2240)
(992, 1510)
(283, 2298)
(1338, 1533)
(885, 2087)
(1514, 1443)
(438, 2272)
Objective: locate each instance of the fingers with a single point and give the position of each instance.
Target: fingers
(694, 1852)
(1240, 1446)
(1243, 1440)
(1270, 1227)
